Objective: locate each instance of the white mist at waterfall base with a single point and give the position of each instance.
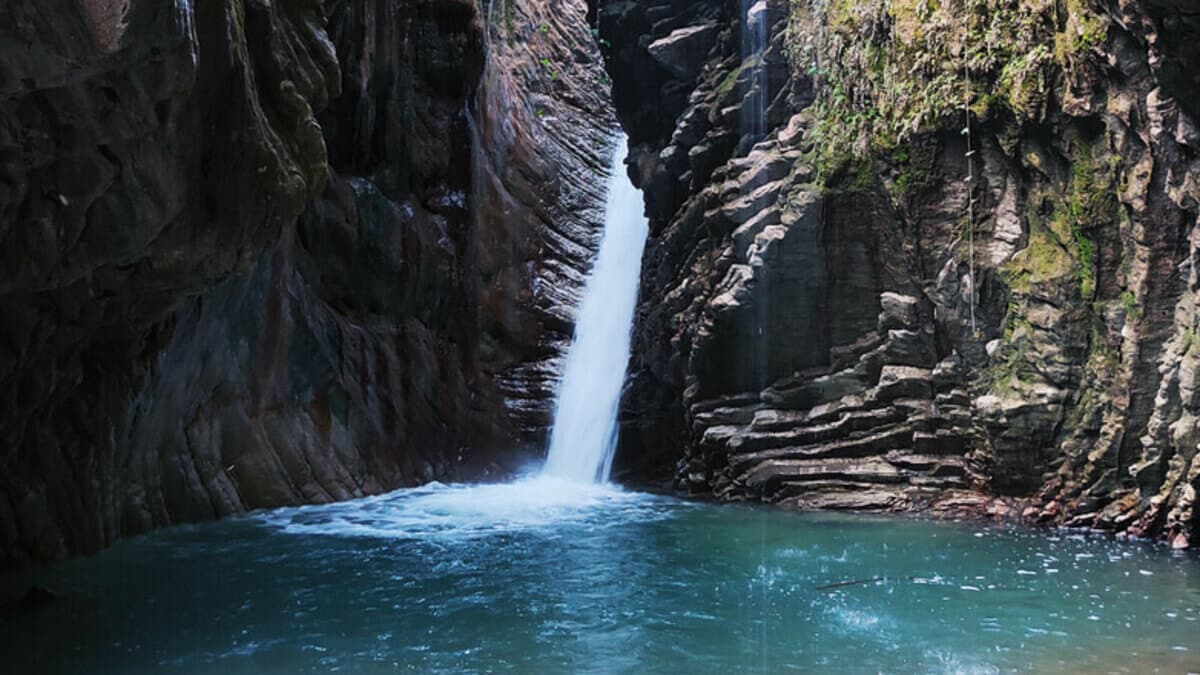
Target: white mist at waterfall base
(585, 415)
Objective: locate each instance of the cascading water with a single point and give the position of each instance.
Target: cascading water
(572, 485)
(754, 50)
(585, 415)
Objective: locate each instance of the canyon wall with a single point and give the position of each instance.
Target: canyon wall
(266, 253)
(858, 296)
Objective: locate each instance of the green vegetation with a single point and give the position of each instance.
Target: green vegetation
(1100, 375)
(1091, 202)
(1086, 254)
(914, 168)
(729, 81)
(1062, 242)
(1011, 368)
(1129, 301)
(865, 176)
(1043, 260)
(1188, 343)
(890, 73)
(1084, 30)
(887, 70)
(1093, 196)
(1022, 84)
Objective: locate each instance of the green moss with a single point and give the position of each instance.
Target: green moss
(1189, 342)
(911, 17)
(888, 70)
(1016, 327)
(1099, 371)
(914, 168)
(1091, 203)
(1062, 243)
(1011, 369)
(987, 103)
(1086, 254)
(865, 176)
(1043, 260)
(1084, 30)
(729, 81)
(1023, 83)
(1129, 301)
(1093, 194)
(1056, 250)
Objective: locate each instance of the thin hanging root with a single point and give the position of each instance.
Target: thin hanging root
(970, 155)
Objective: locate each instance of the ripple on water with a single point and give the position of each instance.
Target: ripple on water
(545, 576)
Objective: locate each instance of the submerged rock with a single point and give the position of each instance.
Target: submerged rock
(34, 598)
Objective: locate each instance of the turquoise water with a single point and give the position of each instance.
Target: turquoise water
(547, 577)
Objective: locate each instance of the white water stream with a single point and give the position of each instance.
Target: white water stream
(585, 414)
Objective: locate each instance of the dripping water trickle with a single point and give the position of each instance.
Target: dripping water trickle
(754, 49)
(473, 106)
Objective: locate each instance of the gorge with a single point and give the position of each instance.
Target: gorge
(561, 336)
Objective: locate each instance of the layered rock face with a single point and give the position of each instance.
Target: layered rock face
(856, 295)
(266, 253)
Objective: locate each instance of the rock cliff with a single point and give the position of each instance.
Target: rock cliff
(263, 253)
(934, 256)
(930, 256)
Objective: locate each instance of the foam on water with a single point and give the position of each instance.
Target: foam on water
(573, 484)
(439, 510)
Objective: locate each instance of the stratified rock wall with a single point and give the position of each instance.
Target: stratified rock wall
(266, 253)
(806, 332)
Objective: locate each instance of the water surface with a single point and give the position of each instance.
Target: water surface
(547, 576)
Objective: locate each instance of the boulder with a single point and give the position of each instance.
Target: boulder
(897, 382)
(683, 51)
(898, 311)
(824, 389)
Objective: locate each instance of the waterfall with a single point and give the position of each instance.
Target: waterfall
(585, 414)
(755, 35)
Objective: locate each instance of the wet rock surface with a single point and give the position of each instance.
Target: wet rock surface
(822, 326)
(256, 254)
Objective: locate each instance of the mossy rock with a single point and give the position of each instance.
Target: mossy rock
(1044, 260)
(889, 70)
